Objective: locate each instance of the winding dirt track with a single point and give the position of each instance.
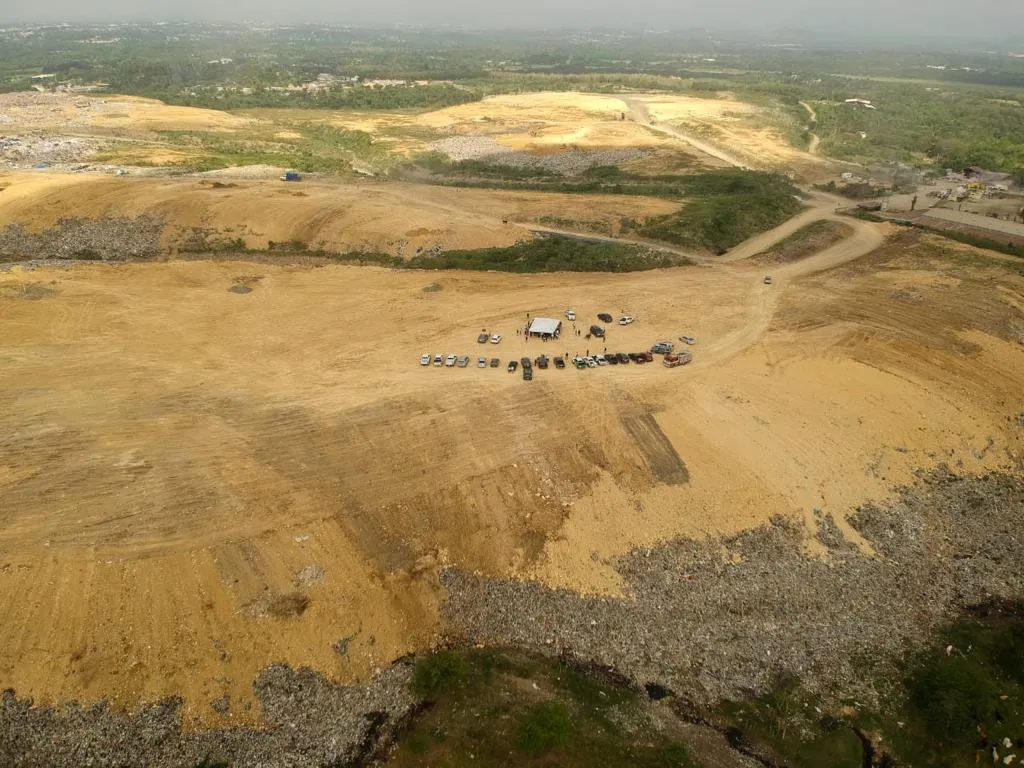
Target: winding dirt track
(815, 139)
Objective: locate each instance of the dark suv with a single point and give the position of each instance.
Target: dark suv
(604, 317)
(597, 330)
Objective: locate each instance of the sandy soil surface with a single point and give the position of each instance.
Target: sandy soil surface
(210, 467)
(386, 217)
(196, 483)
(66, 112)
(551, 121)
(737, 133)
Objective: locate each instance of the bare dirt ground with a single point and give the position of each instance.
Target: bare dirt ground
(335, 215)
(198, 483)
(130, 131)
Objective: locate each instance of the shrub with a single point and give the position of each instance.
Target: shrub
(547, 725)
(439, 672)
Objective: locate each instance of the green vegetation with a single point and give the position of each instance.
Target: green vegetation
(443, 671)
(545, 726)
(503, 708)
(959, 702)
(726, 206)
(319, 148)
(730, 207)
(808, 240)
(552, 254)
(934, 109)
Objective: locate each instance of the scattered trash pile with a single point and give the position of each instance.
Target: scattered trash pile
(567, 162)
(113, 239)
(19, 151)
(709, 626)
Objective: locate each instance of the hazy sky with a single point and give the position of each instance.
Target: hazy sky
(914, 18)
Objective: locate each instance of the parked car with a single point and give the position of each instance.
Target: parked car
(625, 320)
(542, 362)
(495, 362)
(663, 347)
(597, 330)
(767, 279)
(525, 362)
(600, 359)
(439, 359)
(623, 358)
(604, 317)
(425, 358)
(570, 315)
(590, 361)
(463, 361)
(512, 365)
(612, 359)
(496, 338)
(688, 340)
(559, 363)
(578, 362)
(482, 338)
(527, 373)
(481, 362)
(450, 361)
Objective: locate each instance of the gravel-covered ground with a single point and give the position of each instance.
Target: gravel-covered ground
(309, 722)
(114, 239)
(707, 619)
(720, 619)
(567, 162)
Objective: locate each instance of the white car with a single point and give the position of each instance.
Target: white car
(425, 359)
(590, 361)
(450, 361)
(625, 320)
(688, 340)
(601, 359)
(481, 362)
(496, 338)
(570, 315)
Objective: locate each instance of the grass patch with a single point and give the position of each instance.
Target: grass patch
(552, 254)
(320, 149)
(957, 703)
(504, 708)
(964, 696)
(731, 206)
(815, 237)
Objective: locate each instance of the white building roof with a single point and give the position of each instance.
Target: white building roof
(545, 326)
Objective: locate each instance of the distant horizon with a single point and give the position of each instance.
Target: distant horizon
(999, 24)
(1005, 44)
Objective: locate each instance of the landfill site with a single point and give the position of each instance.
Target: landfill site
(234, 499)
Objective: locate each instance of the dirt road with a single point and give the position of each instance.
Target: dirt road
(815, 139)
(639, 113)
